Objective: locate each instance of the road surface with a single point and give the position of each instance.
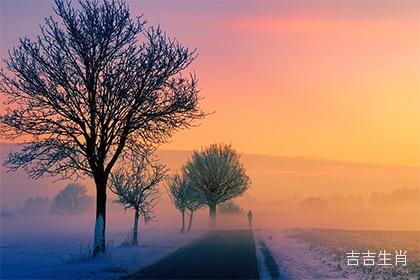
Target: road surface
(222, 254)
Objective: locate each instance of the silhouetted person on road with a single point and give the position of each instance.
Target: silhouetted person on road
(249, 215)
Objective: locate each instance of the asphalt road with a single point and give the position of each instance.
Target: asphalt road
(222, 254)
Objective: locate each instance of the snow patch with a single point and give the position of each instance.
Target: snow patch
(60, 256)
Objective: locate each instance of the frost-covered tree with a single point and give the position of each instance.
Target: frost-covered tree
(136, 188)
(73, 199)
(217, 173)
(184, 196)
(94, 86)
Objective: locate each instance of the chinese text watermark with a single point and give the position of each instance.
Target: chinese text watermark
(383, 258)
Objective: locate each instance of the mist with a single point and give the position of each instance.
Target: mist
(285, 192)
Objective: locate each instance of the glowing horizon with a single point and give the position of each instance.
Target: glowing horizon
(321, 80)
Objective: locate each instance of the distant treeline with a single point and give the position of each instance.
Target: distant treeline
(73, 199)
(404, 199)
(398, 196)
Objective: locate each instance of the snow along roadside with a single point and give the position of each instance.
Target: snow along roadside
(66, 257)
(295, 259)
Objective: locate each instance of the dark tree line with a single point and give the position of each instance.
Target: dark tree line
(94, 87)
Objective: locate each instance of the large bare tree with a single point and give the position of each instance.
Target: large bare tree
(136, 188)
(94, 86)
(217, 173)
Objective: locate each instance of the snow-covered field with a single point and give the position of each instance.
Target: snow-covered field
(58, 256)
(321, 254)
(295, 259)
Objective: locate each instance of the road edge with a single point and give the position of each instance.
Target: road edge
(143, 271)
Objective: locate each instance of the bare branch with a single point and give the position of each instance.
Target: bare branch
(93, 85)
(136, 186)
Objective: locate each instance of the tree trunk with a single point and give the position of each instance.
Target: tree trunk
(191, 218)
(183, 221)
(99, 237)
(136, 228)
(212, 222)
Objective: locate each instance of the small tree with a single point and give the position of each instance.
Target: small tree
(93, 87)
(194, 202)
(184, 196)
(178, 191)
(217, 173)
(136, 188)
(71, 200)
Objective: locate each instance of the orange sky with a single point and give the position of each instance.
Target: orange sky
(333, 79)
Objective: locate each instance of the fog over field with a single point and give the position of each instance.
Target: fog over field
(285, 192)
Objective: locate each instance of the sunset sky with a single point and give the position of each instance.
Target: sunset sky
(327, 79)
